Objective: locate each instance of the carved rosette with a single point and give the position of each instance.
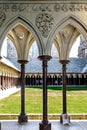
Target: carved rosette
(2, 18)
(44, 23)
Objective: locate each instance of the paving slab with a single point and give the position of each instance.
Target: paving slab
(8, 92)
(34, 125)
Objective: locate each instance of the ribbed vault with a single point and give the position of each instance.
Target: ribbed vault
(64, 40)
(22, 40)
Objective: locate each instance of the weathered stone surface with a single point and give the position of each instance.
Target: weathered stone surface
(24, 21)
(34, 125)
(82, 49)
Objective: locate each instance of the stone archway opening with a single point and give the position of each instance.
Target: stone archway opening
(22, 39)
(34, 80)
(64, 39)
(58, 21)
(10, 73)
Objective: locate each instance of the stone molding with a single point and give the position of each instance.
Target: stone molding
(38, 7)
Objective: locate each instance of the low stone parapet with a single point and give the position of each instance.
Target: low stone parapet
(39, 117)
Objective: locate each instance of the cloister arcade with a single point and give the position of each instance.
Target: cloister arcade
(47, 22)
(56, 79)
(9, 76)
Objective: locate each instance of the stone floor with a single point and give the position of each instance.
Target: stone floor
(8, 92)
(34, 125)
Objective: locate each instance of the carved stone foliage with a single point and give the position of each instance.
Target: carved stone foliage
(2, 18)
(21, 7)
(44, 23)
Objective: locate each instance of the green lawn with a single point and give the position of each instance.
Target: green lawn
(76, 101)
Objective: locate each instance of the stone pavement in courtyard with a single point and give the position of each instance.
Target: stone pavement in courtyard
(8, 92)
(34, 125)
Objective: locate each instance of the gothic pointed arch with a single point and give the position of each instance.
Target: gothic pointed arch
(20, 20)
(77, 25)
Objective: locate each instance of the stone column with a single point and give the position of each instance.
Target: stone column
(64, 100)
(22, 118)
(44, 125)
(2, 82)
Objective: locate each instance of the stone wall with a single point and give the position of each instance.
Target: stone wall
(82, 49)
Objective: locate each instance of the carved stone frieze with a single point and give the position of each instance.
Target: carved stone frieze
(15, 7)
(70, 7)
(44, 23)
(2, 18)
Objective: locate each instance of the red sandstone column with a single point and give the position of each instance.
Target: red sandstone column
(22, 118)
(44, 125)
(2, 82)
(64, 100)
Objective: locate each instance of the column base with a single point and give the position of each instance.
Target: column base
(43, 126)
(22, 118)
(65, 119)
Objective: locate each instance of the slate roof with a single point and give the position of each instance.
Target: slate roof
(76, 65)
(7, 62)
(14, 62)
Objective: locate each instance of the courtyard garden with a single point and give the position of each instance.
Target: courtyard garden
(76, 101)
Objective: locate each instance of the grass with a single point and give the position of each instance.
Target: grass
(76, 101)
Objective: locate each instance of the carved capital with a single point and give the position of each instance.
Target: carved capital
(22, 61)
(44, 58)
(64, 61)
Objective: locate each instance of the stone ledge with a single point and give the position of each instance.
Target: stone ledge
(39, 117)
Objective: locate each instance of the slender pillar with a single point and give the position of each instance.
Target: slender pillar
(22, 118)
(64, 100)
(44, 125)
